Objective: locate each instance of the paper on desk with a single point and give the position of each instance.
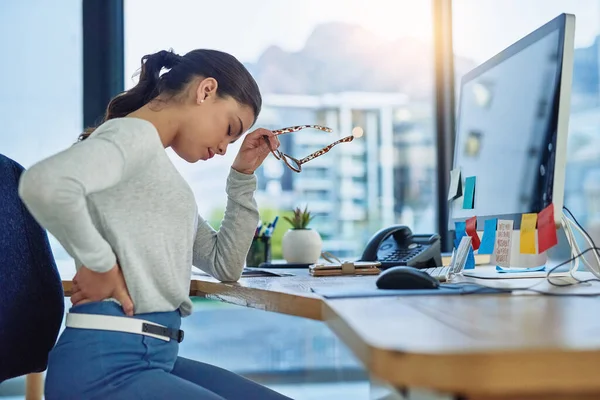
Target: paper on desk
(469, 198)
(503, 242)
(455, 189)
(489, 236)
(528, 223)
(249, 272)
(546, 229)
(516, 270)
(472, 231)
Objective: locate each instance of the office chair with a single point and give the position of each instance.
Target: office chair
(31, 293)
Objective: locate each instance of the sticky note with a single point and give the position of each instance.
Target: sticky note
(470, 264)
(546, 229)
(461, 230)
(503, 242)
(528, 223)
(455, 189)
(469, 197)
(489, 237)
(472, 231)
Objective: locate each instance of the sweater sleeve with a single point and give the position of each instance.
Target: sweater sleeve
(54, 190)
(222, 254)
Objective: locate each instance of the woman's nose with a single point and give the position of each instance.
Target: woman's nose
(222, 149)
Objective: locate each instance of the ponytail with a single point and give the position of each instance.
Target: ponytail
(233, 79)
(147, 88)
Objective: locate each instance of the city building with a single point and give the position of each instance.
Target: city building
(352, 190)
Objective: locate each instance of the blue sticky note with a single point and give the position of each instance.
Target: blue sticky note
(489, 237)
(461, 230)
(517, 270)
(470, 264)
(469, 196)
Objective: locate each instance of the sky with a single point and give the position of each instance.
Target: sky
(483, 28)
(247, 27)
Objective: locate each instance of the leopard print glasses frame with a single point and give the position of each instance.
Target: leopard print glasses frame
(293, 163)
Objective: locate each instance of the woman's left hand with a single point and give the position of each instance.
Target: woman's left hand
(254, 150)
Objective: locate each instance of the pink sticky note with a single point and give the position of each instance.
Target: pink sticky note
(546, 229)
(472, 231)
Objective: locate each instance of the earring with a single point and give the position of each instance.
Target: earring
(202, 101)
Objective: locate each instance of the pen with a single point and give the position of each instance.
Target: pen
(268, 230)
(271, 227)
(257, 232)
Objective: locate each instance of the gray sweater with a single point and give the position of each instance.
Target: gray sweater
(116, 197)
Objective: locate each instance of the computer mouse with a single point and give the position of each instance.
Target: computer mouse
(406, 278)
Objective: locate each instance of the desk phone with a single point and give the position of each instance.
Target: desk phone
(397, 245)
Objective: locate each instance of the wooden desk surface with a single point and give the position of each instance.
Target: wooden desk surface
(288, 295)
(519, 345)
(482, 346)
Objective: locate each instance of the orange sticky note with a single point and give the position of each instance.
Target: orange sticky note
(528, 223)
(546, 229)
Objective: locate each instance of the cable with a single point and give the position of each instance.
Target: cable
(590, 241)
(565, 223)
(576, 250)
(570, 260)
(587, 235)
(576, 255)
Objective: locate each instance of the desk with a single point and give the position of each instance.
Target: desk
(287, 295)
(487, 348)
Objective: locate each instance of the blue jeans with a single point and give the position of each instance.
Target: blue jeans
(95, 364)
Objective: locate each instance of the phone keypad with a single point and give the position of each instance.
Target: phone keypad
(402, 254)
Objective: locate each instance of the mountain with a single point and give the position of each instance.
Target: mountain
(341, 57)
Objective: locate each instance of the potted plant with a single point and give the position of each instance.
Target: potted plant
(301, 244)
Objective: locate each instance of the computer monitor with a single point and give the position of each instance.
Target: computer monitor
(512, 124)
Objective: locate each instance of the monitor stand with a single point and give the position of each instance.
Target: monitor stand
(551, 258)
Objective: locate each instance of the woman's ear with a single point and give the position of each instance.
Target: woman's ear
(207, 88)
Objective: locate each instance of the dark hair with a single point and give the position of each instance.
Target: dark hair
(233, 79)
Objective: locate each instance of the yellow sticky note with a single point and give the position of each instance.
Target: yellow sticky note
(528, 225)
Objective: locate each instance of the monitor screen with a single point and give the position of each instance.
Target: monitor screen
(506, 129)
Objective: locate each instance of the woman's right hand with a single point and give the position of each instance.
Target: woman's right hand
(89, 286)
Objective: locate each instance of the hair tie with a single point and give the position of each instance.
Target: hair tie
(169, 59)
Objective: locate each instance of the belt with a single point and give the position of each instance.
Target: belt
(123, 324)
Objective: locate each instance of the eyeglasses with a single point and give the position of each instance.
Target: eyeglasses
(293, 163)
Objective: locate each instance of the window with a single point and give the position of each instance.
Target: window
(41, 102)
(481, 30)
(345, 64)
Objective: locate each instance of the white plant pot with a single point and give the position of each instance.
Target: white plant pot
(301, 246)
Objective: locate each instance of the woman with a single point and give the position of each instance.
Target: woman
(119, 207)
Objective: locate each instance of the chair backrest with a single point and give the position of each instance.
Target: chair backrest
(31, 294)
